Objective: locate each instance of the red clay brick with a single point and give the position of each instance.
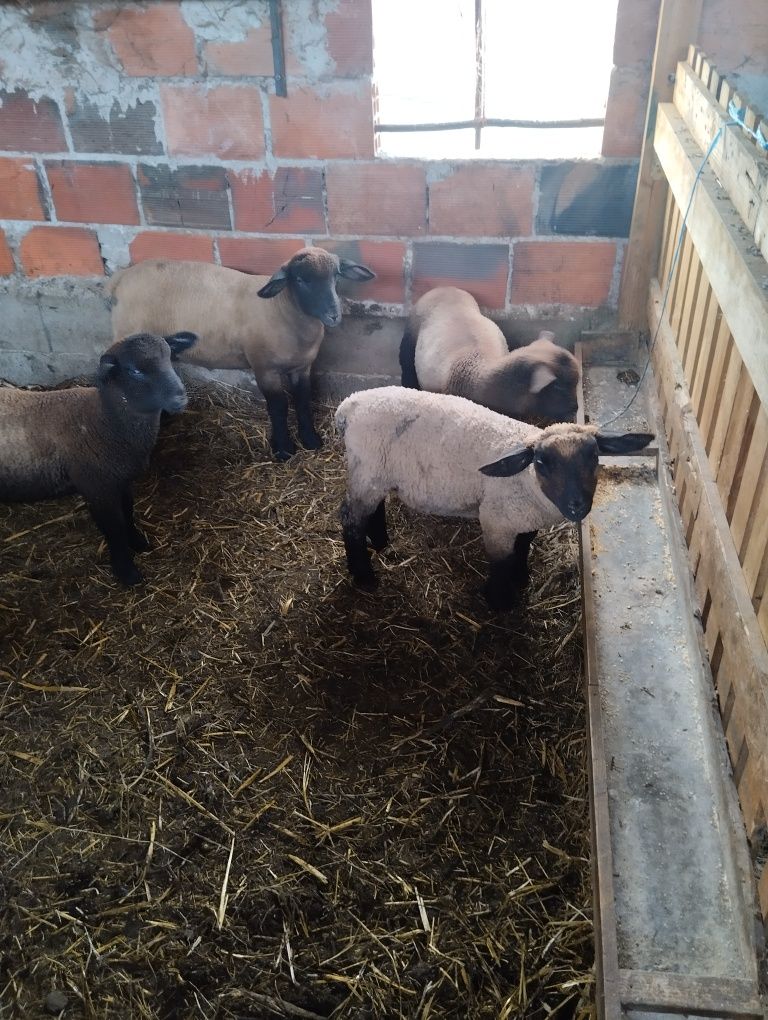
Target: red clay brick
(482, 269)
(625, 112)
(325, 123)
(562, 272)
(291, 202)
(6, 258)
(92, 192)
(385, 258)
(151, 41)
(260, 255)
(61, 251)
(636, 25)
(377, 198)
(249, 56)
(152, 244)
(350, 38)
(483, 201)
(224, 121)
(20, 190)
(29, 126)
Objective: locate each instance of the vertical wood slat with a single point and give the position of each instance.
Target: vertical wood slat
(737, 655)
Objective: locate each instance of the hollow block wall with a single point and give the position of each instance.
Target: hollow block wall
(137, 130)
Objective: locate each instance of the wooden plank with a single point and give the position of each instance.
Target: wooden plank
(731, 617)
(762, 891)
(654, 991)
(723, 346)
(724, 401)
(698, 339)
(735, 270)
(755, 546)
(703, 369)
(687, 341)
(752, 489)
(740, 167)
(671, 217)
(678, 24)
(680, 289)
(737, 439)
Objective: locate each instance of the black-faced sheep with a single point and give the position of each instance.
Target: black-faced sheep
(277, 339)
(449, 346)
(449, 456)
(94, 440)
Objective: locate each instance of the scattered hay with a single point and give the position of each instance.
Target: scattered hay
(247, 789)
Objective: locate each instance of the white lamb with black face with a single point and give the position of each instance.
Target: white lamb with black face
(448, 456)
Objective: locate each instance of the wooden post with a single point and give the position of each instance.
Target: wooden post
(678, 27)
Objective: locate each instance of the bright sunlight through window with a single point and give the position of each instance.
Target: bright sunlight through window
(549, 60)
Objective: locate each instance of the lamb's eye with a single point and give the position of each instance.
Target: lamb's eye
(135, 372)
(541, 464)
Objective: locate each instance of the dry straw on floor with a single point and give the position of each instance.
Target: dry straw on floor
(249, 790)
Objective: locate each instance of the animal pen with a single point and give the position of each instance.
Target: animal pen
(248, 789)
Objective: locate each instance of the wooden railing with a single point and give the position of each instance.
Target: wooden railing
(710, 362)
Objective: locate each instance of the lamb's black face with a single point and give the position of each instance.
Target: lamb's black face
(313, 284)
(311, 276)
(567, 473)
(140, 367)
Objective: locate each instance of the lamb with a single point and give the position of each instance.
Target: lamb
(277, 339)
(446, 455)
(94, 440)
(449, 346)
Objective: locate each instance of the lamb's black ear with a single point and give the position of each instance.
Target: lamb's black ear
(277, 282)
(107, 365)
(180, 342)
(353, 271)
(512, 464)
(630, 442)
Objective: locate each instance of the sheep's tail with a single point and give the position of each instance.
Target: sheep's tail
(340, 417)
(408, 375)
(111, 284)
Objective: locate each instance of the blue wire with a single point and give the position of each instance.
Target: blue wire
(675, 257)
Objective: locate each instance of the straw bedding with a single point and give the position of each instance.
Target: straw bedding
(247, 789)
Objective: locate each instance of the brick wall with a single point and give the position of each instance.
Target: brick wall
(136, 130)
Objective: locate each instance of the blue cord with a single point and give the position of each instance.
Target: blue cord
(738, 114)
(675, 257)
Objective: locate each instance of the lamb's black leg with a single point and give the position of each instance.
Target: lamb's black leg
(376, 527)
(271, 385)
(408, 375)
(509, 575)
(300, 388)
(107, 513)
(136, 539)
(358, 557)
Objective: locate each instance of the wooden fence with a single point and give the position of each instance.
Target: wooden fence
(710, 361)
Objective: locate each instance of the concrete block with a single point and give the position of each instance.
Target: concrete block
(29, 368)
(23, 327)
(76, 319)
(363, 347)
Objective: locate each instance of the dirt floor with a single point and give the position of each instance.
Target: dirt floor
(247, 789)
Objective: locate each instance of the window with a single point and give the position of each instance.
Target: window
(542, 60)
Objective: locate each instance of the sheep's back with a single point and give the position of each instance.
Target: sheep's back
(427, 446)
(221, 305)
(36, 435)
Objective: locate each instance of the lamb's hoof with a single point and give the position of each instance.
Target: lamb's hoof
(368, 582)
(128, 574)
(378, 542)
(140, 542)
(311, 440)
